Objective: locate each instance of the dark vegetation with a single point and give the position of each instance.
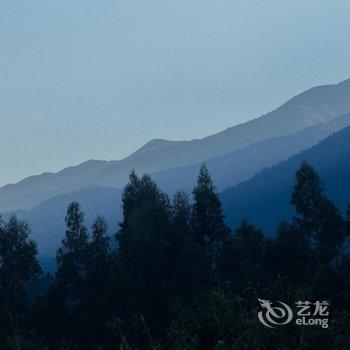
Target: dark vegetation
(180, 278)
(264, 198)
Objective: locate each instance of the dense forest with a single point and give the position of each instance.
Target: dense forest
(176, 276)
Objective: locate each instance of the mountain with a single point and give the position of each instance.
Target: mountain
(317, 105)
(34, 189)
(47, 219)
(264, 199)
(232, 168)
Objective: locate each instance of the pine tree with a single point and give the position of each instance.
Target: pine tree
(207, 220)
(18, 267)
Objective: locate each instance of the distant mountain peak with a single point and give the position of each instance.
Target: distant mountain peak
(156, 143)
(152, 145)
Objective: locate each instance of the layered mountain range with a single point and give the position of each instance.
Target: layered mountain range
(265, 198)
(235, 157)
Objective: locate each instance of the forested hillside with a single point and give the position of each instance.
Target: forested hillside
(47, 221)
(265, 198)
(180, 278)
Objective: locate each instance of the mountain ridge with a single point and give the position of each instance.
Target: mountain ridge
(264, 198)
(232, 168)
(316, 105)
(47, 219)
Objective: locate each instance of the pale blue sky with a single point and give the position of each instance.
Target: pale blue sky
(82, 79)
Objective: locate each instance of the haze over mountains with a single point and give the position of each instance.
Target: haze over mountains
(264, 199)
(317, 105)
(235, 167)
(232, 156)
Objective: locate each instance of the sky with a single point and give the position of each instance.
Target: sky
(83, 79)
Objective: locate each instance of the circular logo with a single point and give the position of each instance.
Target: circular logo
(278, 315)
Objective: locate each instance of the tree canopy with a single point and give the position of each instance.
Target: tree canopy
(177, 277)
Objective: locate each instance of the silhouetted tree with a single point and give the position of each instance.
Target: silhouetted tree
(241, 261)
(209, 228)
(187, 261)
(94, 310)
(18, 267)
(289, 254)
(181, 214)
(144, 248)
(179, 279)
(63, 300)
(317, 217)
(307, 197)
(331, 232)
(72, 256)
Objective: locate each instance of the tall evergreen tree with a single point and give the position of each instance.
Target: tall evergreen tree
(331, 232)
(144, 245)
(94, 310)
(207, 220)
(72, 256)
(188, 263)
(65, 296)
(318, 219)
(18, 267)
(307, 197)
(99, 247)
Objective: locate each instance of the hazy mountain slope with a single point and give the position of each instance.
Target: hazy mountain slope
(264, 199)
(47, 219)
(152, 146)
(320, 104)
(230, 169)
(34, 189)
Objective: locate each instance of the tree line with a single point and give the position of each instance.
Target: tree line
(179, 278)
